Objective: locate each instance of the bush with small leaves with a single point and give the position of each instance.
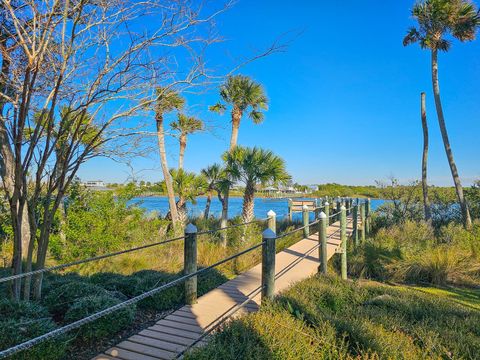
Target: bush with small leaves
(60, 299)
(22, 321)
(104, 326)
(127, 285)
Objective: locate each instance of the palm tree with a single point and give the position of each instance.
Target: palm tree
(188, 186)
(254, 166)
(423, 115)
(436, 20)
(212, 175)
(242, 94)
(185, 125)
(167, 100)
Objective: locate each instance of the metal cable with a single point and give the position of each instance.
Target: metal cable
(76, 324)
(79, 262)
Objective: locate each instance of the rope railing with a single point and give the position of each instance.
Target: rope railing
(268, 243)
(76, 324)
(231, 226)
(95, 258)
(105, 256)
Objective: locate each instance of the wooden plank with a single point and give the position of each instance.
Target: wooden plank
(174, 339)
(146, 350)
(123, 354)
(175, 325)
(174, 331)
(160, 344)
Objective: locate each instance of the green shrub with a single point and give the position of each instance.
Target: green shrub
(18, 310)
(59, 300)
(326, 318)
(127, 285)
(104, 326)
(166, 299)
(22, 321)
(271, 335)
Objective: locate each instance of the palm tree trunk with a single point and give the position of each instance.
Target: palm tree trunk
(236, 117)
(426, 202)
(248, 202)
(467, 221)
(207, 204)
(183, 145)
(166, 174)
(223, 222)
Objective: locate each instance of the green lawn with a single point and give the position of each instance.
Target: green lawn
(466, 297)
(326, 318)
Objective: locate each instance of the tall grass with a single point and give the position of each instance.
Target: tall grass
(415, 252)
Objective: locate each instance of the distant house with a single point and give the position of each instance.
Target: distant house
(94, 184)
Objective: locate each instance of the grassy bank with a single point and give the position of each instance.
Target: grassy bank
(326, 318)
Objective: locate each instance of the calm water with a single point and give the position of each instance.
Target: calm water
(159, 204)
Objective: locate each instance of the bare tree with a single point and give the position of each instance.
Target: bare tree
(83, 56)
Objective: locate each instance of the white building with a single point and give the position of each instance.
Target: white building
(94, 184)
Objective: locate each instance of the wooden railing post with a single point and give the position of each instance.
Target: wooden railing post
(268, 264)
(290, 210)
(318, 203)
(322, 238)
(368, 216)
(326, 211)
(343, 239)
(339, 205)
(272, 221)
(306, 220)
(190, 263)
(362, 220)
(355, 224)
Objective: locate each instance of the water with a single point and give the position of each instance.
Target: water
(159, 204)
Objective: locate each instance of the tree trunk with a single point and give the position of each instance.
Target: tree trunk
(7, 171)
(467, 221)
(165, 170)
(236, 117)
(183, 145)
(248, 202)
(223, 222)
(207, 204)
(426, 202)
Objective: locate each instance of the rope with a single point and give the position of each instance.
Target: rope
(105, 256)
(79, 262)
(230, 227)
(76, 324)
(296, 230)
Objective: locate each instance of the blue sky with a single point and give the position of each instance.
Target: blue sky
(344, 98)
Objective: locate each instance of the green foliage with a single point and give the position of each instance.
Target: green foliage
(22, 321)
(187, 124)
(326, 318)
(437, 19)
(415, 252)
(242, 93)
(102, 222)
(104, 326)
(255, 166)
(61, 298)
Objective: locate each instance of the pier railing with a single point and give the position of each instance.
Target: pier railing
(343, 207)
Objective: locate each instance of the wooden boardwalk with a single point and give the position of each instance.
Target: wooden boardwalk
(175, 333)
